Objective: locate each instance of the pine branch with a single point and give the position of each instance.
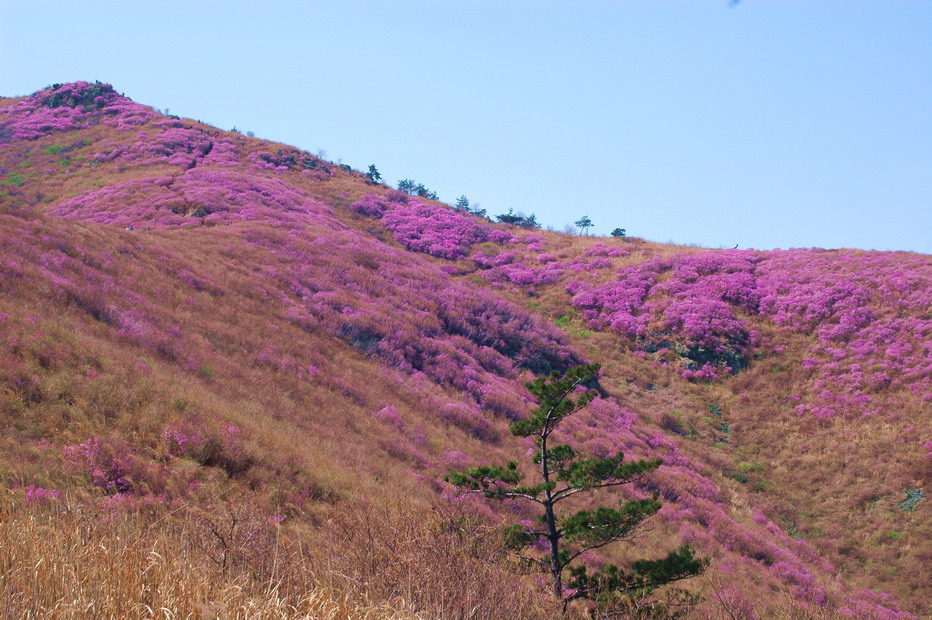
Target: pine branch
(505, 494)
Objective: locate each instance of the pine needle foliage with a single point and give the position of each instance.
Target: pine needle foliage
(563, 473)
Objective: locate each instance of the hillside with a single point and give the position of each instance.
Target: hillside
(231, 360)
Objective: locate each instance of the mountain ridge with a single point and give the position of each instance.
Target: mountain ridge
(210, 260)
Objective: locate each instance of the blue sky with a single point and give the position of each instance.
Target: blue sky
(776, 123)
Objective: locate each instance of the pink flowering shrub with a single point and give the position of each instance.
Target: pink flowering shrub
(500, 236)
(694, 303)
(600, 249)
(370, 205)
(115, 467)
(267, 161)
(865, 309)
(434, 230)
(870, 604)
(176, 145)
(106, 469)
(618, 303)
(708, 372)
(80, 105)
(492, 322)
(868, 311)
(400, 309)
(216, 196)
(504, 267)
(39, 496)
(212, 444)
(285, 159)
(67, 107)
(501, 400)
(389, 414)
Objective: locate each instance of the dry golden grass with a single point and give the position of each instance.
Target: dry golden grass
(62, 564)
(71, 561)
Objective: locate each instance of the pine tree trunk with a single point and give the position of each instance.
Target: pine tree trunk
(552, 534)
(555, 568)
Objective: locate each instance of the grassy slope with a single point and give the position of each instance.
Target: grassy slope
(239, 357)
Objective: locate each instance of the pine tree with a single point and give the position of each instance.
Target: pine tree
(529, 221)
(518, 219)
(408, 186)
(374, 175)
(584, 224)
(563, 473)
(510, 218)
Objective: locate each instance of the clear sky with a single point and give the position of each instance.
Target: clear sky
(773, 123)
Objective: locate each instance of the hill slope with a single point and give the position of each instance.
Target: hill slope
(260, 358)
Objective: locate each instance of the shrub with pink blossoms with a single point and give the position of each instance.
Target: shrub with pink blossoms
(505, 267)
(105, 466)
(293, 159)
(39, 496)
(210, 443)
(370, 205)
(389, 414)
(867, 310)
(434, 230)
(500, 236)
(212, 194)
(116, 467)
(66, 107)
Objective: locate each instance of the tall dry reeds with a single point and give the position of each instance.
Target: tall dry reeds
(74, 561)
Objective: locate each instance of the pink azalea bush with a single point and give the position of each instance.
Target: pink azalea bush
(865, 310)
(212, 195)
(434, 230)
(40, 496)
(68, 107)
(213, 443)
